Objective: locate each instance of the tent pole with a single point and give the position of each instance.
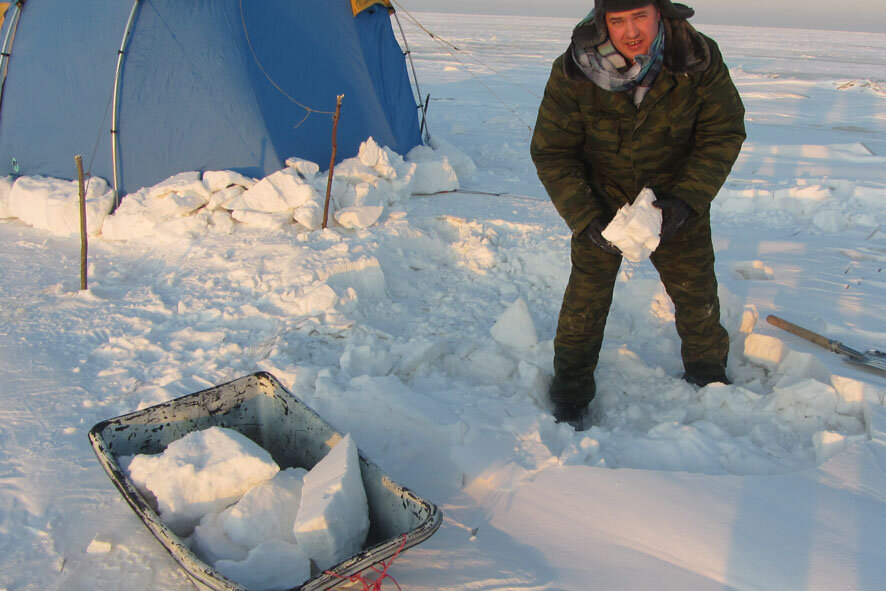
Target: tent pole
(423, 108)
(7, 43)
(115, 144)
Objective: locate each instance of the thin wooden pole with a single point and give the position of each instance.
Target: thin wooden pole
(332, 160)
(83, 242)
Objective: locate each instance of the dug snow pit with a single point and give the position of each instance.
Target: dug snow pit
(275, 565)
(636, 227)
(333, 517)
(203, 472)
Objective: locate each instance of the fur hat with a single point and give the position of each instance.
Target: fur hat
(686, 51)
(668, 9)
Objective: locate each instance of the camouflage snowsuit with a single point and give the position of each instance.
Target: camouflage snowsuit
(595, 151)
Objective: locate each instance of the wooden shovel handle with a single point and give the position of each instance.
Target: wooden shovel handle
(803, 332)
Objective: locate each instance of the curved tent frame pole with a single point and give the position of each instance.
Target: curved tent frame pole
(115, 143)
(16, 10)
(423, 108)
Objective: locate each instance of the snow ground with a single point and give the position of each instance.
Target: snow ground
(774, 483)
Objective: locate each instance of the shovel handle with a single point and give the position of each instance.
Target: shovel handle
(803, 333)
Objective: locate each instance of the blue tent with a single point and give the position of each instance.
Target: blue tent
(202, 85)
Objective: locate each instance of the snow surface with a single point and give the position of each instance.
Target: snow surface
(776, 482)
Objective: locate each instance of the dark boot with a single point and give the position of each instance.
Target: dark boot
(573, 414)
(702, 375)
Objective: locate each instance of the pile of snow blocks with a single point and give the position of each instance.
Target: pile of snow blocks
(261, 408)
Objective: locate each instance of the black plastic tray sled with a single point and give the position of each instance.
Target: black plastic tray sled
(259, 407)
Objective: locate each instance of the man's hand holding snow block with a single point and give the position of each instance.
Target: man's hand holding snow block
(636, 227)
(333, 517)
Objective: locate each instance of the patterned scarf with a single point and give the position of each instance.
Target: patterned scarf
(609, 70)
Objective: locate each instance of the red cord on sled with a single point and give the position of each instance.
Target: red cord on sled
(375, 585)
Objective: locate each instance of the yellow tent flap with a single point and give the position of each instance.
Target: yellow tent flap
(359, 6)
(4, 6)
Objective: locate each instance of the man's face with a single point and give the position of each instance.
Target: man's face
(633, 31)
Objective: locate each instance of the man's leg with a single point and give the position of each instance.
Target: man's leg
(686, 267)
(582, 320)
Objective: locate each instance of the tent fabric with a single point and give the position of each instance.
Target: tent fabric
(384, 60)
(357, 6)
(204, 86)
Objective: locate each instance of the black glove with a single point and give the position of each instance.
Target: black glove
(674, 213)
(594, 233)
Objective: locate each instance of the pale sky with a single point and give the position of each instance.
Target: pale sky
(844, 15)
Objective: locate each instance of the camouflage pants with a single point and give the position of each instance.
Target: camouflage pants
(685, 265)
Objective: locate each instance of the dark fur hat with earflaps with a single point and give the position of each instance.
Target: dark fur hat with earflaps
(686, 51)
(667, 8)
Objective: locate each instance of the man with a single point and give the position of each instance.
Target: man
(640, 99)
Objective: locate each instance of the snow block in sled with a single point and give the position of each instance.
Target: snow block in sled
(259, 407)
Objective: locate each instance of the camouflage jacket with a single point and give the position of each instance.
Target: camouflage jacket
(594, 151)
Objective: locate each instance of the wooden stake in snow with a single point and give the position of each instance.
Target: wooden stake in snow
(332, 160)
(83, 243)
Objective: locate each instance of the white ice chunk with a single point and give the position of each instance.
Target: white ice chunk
(317, 300)
(280, 191)
(810, 395)
(54, 204)
(636, 227)
(462, 164)
(827, 444)
(749, 317)
(98, 546)
(797, 365)
(183, 182)
(354, 171)
(376, 158)
(259, 219)
(273, 566)
(433, 172)
(224, 198)
(178, 204)
(202, 472)
(305, 168)
(853, 392)
(359, 217)
(217, 180)
(490, 364)
(212, 543)
(360, 360)
(5, 189)
(267, 511)
(416, 352)
(310, 213)
(333, 518)
(515, 328)
(764, 350)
